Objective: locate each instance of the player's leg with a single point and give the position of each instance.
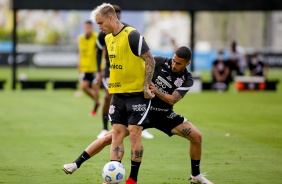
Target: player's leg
(93, 149)
(96, 87)
(118, 117)
(85, 83)
(138, 108)
(190, 132)
(105, 110)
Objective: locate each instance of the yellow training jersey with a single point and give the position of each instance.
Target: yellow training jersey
(87, 53)
(127, 70)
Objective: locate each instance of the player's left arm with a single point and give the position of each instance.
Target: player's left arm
(170, 99)
(176, 95)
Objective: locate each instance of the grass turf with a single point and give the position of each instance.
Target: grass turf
(42, 130)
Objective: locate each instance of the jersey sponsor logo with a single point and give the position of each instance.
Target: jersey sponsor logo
(114, 85)
(139, 107)
(112, 56)
(115, 66)
(169, 78)
(178, 82)
(162, 82)
(172, 115)
(158, 109)
(112, 109)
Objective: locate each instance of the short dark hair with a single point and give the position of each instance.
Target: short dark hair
(89, 22)
(184, 53)
(117, 8)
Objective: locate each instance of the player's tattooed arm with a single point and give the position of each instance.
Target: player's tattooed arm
(149, 71)
(170, 99)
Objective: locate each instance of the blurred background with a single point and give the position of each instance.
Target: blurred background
(53, 44)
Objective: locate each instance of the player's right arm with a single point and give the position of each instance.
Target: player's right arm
(100, 43)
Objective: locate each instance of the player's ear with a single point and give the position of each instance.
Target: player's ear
(188, 63)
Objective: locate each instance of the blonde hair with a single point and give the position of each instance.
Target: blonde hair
(105, 9)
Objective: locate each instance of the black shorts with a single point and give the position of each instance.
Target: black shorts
(90, 77)
(129, 109)
(164, 120)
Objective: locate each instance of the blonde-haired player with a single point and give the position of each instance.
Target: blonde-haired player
(132, 67)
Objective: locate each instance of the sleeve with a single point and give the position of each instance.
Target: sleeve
(186, 86)
(159, 60)
(100, 43)
(137, 43)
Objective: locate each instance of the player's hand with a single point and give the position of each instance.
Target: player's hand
(148, 94)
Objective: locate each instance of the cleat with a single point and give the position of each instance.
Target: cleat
(102, 133)
(69, 168)
(145, 134)
(130, 181)
(200, 179)
(93, 113)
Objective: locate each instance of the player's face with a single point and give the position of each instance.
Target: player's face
(104, 23)
(88, 28)
(178, 64)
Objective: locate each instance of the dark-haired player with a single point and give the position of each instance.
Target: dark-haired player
(87, 63)
(103, 76)
(171, 81)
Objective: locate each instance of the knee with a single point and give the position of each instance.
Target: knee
(107, 139)
(83, 87)
(198, 138)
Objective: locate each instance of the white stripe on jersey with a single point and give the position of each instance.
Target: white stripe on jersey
(183, 88)
(140, 45)
(145, 115)
(99, 44)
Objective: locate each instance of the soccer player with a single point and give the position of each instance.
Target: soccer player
(87, 64)
(103, 76)
(132, 67)
(171, 81)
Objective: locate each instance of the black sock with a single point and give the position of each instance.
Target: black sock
(96, 106)
(195, 166)
(105, 122)
(134, 170)
(82, 158)
(116, 161)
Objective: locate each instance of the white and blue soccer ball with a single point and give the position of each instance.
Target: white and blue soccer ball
(113, 172)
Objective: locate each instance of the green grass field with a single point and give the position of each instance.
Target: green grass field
(42, 130)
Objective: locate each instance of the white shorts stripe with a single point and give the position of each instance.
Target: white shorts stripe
(183, 88)
(140, 45)
(99, 44)
(145, 115)
(105, 83)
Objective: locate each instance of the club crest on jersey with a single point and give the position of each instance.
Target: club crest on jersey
(178, 82)
(112, 109)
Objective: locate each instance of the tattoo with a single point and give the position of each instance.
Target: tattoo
(176, 96)
(186, 132)
(118, 151)
(150, 67)
(137, 154)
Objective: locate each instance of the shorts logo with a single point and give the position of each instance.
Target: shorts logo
(172, 115)
(112, 109)
(139, 107)
(178, 82)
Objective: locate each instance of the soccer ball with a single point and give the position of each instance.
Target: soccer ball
(113, 172)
